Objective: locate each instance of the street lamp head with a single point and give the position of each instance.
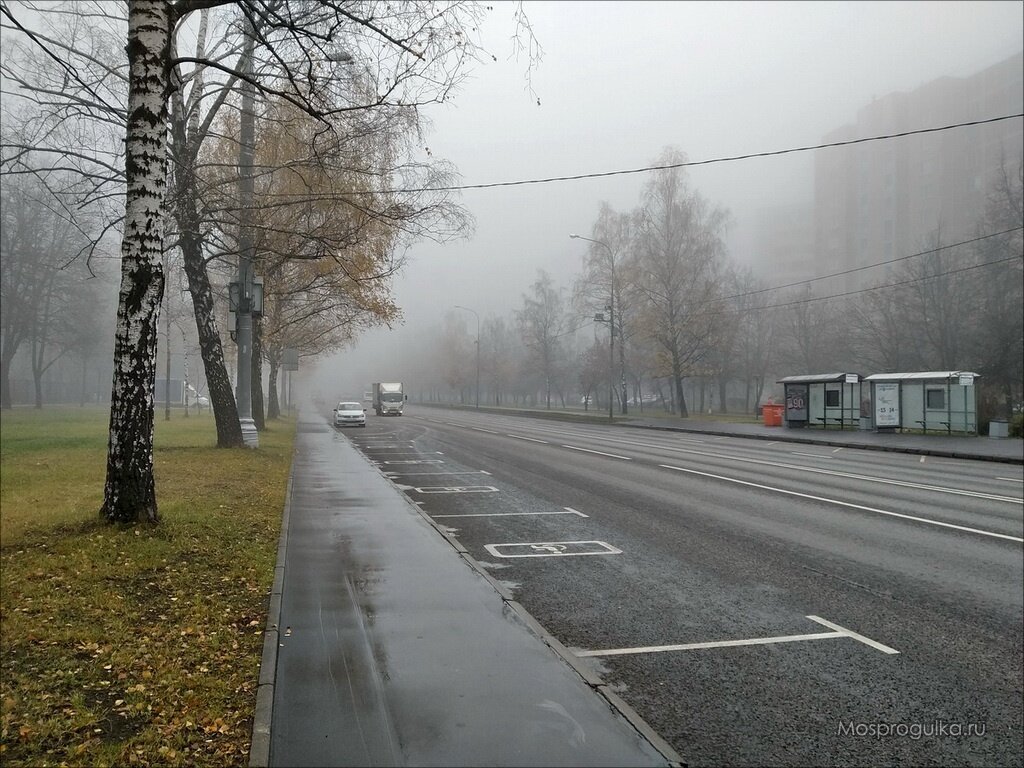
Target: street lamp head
(574, 237)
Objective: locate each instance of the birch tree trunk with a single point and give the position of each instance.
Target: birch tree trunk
(129, 494)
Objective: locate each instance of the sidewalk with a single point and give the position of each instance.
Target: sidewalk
(387, 645)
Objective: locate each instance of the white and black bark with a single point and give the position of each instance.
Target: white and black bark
(129, 494)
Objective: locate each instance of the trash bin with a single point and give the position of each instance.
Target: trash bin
(772, 414)
(998, 428)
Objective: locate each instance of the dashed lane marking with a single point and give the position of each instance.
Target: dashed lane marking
(845, 504)
(599, 453)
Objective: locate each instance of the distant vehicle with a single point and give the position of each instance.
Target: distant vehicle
(349, 414)
(388, 398)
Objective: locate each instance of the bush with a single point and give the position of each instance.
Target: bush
(1017, 425)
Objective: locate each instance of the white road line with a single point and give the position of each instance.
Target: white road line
(837, 632)
(466, 472)
(922, 459)
(852, 476)
(599, 453)
(866, 640)
(717, 644)
(488, 431)
(575, 511)
(1011, 479)
(531, 439)
(837, 450)
(512, 514)
(846, 504)
(773, 442)
(812, 455)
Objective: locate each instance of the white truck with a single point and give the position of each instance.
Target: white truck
(388, 398)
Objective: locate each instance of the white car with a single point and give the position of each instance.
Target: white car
(349, 414)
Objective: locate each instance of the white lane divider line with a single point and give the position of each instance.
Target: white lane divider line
(837, 632)
(837, 450)
(531, 439)
(846, 504)
(488, 431)
(1011, 479)
(599, 453)
(574, 512)
(812, 455)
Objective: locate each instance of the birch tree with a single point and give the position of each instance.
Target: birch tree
(678, 270)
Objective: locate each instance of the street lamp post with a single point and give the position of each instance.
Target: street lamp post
(611, 330)
(477, 351)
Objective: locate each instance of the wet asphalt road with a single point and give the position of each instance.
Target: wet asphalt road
(912, 570)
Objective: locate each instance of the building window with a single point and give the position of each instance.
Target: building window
(936, 400)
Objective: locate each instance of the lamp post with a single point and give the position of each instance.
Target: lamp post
(611, 330)
(477, 351)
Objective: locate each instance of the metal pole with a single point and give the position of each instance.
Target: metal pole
(246, 249)
(611, 330)
(611, 360)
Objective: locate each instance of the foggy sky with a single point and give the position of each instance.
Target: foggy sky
(618, 82)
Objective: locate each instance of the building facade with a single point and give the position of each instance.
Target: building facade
(880, 200)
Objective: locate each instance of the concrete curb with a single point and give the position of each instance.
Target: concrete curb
(259, 747)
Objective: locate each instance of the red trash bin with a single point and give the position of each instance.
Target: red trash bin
(772, 414)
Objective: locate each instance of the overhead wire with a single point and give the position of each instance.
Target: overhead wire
(695, 163)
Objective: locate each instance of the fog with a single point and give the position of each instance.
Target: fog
(619, 82)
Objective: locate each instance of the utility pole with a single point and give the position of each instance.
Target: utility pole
(246, 248)
(611, 330)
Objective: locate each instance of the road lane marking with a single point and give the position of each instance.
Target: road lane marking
(837, 632)
(812, 455)
(457, 489)
(846, 504)
(1011, 479)
(488, 431)
(922, 459)
(599, 453)
(465, 472)
(853, 476)
(531, 439)
(716, 644)
(860, 638)
(553, 549)
(837, 450)
(567, 511)
(415, 461)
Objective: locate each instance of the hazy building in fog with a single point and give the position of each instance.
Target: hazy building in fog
(883, 199)
(784, 244)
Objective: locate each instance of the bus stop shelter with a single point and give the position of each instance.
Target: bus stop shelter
(822, 400)
(943, 401)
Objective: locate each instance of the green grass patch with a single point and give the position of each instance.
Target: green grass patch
(133, 645)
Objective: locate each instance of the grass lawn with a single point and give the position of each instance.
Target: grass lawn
(133, 645)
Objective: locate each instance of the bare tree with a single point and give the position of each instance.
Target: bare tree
(542, 324)
(677, 270)
(417, 55)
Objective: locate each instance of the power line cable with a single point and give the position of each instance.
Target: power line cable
(694, 163)
(872, 288)
(872, 266)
